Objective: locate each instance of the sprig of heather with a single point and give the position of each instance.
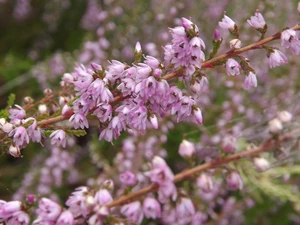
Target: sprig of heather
(94, 206)
(131, 97)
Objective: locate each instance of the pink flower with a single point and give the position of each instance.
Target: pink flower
(277, 58)
(250, 80)
(151, 208)
(234, 181)
(79, 120)
(160, 172)
(58, 137)
(257, 21)
(229, 144)
(8, 209)
(19, 218)
(232, 67)
(291, 41)
(227, 23)
(48, 210)
(21, 137)
(205, 183)
(103, 197)
(185, 208)
(78, 202)
(133, 211)
(128, 178)
(186, 149)
(16, 114)
(65, 218)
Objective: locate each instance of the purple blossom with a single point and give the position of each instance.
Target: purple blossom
(234, 181)
(227, 23)
(291, 41)
(103, 197)
(79, 120)
(151, 208)
(199, 86)
(78, 202)
(58, 138)
(257, 21)
(250, 80)
(48, 210)
(232, 67)
(133, 211)
(229, 144)
(19, 218)
(185, 208)
(8, 209)
(21, 137)
(128, 178)
(205, 183)
(277, 58)
(185, 50)
(16, 114)
(115, 71)
(103, 112)
(65, 218)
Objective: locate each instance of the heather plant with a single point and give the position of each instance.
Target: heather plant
(198, 131)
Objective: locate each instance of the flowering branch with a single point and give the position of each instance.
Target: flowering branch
(177, 73)
(188, 174)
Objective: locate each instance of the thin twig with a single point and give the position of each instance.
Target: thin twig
(188, 174)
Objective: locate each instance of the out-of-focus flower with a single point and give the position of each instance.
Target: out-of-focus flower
(227, 23)
(257, 21)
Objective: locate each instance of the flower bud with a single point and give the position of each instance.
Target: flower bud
(68, 78)
(96, 67)
(261, 164)
(47, 91)
(186, 149)
(31, 198)
(108, 184)
(2, 122)
(14, 151)
(234, 181)
(198, 115)
(217, 35)
(103, 197)
(42, 108)
(187, 24)
(154, 122)
(235, 44)
(128, 178)
(7, 127)
(28, 100)
(275, 126)
(284, 116)
(138, 47)
(229, 144)
(205, 183)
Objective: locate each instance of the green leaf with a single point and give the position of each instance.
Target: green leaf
(4, 113)
(77, 133)
(11, 99)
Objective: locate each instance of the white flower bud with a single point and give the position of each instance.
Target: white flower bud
(8, 127)
(235, 44)
(14, 151)
(28, 100)
(261, 164)
(186, 149)
(275, 126)
(42, 108)
(2, 122)
(284, 116)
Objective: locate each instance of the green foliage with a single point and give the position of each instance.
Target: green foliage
(11, 99)
(77, 133)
